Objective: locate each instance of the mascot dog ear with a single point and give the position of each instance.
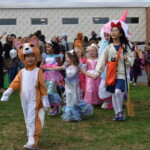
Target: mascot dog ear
(34, 41)
(17, 44)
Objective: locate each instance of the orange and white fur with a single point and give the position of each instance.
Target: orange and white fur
(33, 91)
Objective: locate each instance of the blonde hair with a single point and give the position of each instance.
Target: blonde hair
(81, 50)
(93, 45)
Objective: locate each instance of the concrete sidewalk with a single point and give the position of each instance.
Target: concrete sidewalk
(143, 78)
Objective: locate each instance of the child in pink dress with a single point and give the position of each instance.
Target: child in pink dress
(91, 85)
(80, 53)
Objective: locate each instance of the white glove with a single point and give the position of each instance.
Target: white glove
(45, 102)
(6, 95)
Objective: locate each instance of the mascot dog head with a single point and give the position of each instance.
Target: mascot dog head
(27, 48)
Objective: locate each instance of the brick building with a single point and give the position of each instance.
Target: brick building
(55, 19)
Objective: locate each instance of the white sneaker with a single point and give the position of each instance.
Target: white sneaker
(105, 105)
(28, 146)
(134, 84)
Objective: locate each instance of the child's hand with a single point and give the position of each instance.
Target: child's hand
(45, 103)
(52, 68)
(6, 95)
(43, 67)
(4, 98)
(95, 76)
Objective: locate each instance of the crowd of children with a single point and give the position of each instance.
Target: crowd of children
(84, 76)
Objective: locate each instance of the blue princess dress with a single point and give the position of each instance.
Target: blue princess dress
(75, 107)
(52, 78)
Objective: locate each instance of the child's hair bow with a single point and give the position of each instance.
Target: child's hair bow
(118, 24)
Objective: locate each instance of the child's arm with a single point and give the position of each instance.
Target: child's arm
(43, 90)
(56, 68)
(94, 76)
(59, 61)
(42, 63)
(128, 58)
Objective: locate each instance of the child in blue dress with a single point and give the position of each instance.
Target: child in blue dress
(52, 77)
(75, 107)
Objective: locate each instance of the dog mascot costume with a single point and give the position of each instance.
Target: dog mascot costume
(33, 91)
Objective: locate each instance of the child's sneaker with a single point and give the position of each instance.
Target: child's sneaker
(134, 84)
(116, 117)
(105, 105)
(28, 146)
(121, 116)
(53, 112)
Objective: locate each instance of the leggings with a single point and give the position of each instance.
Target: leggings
(117, 100)
(135, 79)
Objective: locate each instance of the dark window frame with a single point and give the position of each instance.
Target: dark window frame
(100, 20)
(132, 20)
(70, 21)
(11, 21)
(38, 21)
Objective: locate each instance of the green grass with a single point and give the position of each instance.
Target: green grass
(97, 132)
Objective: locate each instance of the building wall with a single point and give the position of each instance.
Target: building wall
(85, 15)
(148, 23)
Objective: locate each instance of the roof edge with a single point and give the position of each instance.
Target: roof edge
(72, 5)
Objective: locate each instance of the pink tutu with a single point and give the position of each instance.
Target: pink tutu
(51, 75)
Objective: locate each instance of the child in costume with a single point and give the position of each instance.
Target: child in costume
(52, 77)
(147, 63)
(75, 107)
(104, 95)
(118, 44)
(91, 85)
(78, 41)
(135, 70)
(33, 90)
(80, 53)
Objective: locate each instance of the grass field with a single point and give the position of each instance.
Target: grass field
(98, 132)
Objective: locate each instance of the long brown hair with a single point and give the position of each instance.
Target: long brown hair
(73, 57)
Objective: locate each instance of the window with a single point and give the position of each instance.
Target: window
(100, 20)
(70, 20)
(39, 21)
(132, 20)
(7, 21)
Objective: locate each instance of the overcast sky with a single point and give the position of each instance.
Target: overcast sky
(70, 1)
